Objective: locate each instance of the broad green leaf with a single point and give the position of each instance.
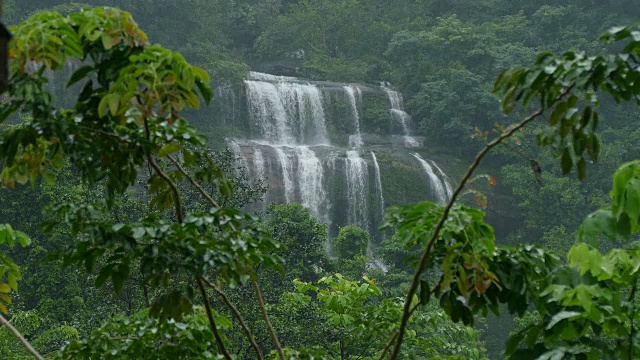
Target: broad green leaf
(566, 161)
(563, 315)
(111, 101)
(599, 222)
(23, 239)
(12, 278)
(79, 74)
(168, 149)
(558, 113)
(425, 292)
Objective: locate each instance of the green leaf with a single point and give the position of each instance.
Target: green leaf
(168, 149)
(632, 199)
(425, 292)
(599, 222)
(23, 239)
(103, 276)
(558, 112)
(12, 278)
(106, 41)
(582, 169)
(112, 101)
(515, 340)
(79, 75)
(563, 315)
(48, 177)
(566, 161)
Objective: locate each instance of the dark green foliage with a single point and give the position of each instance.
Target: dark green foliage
(351, 241)
(443, 55)
(376, 117)
(143, 337)
(303, 238)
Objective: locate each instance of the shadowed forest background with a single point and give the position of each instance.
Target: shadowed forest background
(340, 294)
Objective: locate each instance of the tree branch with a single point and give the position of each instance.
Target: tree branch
(388, 346)
(165, 177)
(193, 182)
(212, 321)
(19, 336)
(265, 316)
(436, 232)
(236, 312)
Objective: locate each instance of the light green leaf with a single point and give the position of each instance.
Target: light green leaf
(112, 101)
(168, 149)
(561, 316)
(23, 239)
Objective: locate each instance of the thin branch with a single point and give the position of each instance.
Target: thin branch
(19, 336)
(212, 321)
(193, 182)
(265, 316)
(165, 177)
(516, 151)
(388, 346)
(236, 312)
(436, 232)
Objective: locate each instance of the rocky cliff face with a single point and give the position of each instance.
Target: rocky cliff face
(345, 151)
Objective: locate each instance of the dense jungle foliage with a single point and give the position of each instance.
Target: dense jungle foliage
(123, 236)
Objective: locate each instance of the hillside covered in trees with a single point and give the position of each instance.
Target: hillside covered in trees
(331, 179)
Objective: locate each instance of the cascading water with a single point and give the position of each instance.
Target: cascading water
(287, 113)
(357, 189)
(310, 177)
(254, 75)
(268, 111)
(259, 163)
(378, 185)
(355, 140)
(237, 151)
(437, 185)
(445, 180)
(286, 124)
(397, 109)
(287, 170)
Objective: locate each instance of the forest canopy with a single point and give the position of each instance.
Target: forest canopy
(130, 226)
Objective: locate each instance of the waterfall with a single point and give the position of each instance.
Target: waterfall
(445, 180)
(395, 99)
(258, 163)
(266, 107)
(226, 95)
(378, 185)
(310, 177)
(356, 139)
(253, 75)
(357, 189)
(436, 184)
(287, 113)
(397, 110)
(284, 123)
(237, 151)
(287, 170)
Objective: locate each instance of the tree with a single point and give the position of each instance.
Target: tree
(355, 318)
(304, 238)
(352, 241)
(126, 121)
(570, 298)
